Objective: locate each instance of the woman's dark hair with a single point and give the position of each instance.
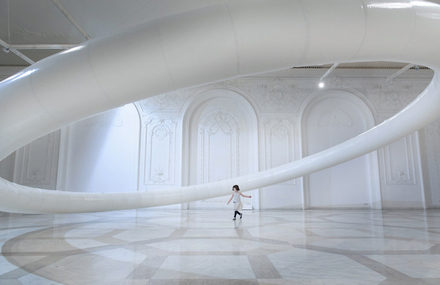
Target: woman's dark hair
(236, 187)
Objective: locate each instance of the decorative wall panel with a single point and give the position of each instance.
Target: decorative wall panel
(37, 162)
(277, 94)
(393, 96)
(432, 132)
(400, 170)
(279, 142)
(221, 127)
(399, 162)
(219, 142)
(171, 101)
(333, 117)
(160, 151)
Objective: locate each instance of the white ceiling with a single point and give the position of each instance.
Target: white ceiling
(36, 29)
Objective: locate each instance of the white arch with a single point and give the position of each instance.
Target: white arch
(192, 107)
(212, 44)
(364, 111)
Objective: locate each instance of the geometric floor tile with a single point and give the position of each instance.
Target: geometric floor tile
(205, 247)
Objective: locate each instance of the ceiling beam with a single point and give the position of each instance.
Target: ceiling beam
(70, 18)
(328, 72)
(7, 48)
(399, 72)
(44, 46)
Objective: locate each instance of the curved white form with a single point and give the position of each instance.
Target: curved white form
(211, 44)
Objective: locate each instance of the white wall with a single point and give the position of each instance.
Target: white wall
(332, 117)
(101, 152)
(7, 167)
(430, 148)
(36, 164)
(222, 128)
(236, 127)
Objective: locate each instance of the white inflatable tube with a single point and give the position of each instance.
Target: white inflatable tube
(239, 38)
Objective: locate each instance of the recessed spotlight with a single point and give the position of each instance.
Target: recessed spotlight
(321, 84)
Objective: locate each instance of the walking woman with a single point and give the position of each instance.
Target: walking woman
(237, 201)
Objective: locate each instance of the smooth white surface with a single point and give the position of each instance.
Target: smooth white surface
(209, 45)
(102, 152)
(336, 108)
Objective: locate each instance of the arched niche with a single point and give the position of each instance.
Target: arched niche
(331, 117)
(220, 141)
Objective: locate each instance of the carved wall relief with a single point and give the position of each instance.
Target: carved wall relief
(334, 118)
(276, 94)
(160, 151)
(171, 101)
(279, 142)
(399, 162)
(219, 140)
(394, 95)
(37, 162)
(334, 82)
(220, 134)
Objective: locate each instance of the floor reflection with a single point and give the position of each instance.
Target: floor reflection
(206, 247)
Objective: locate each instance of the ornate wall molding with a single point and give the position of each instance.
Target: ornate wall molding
(276, 94)
(398, 159)
(219, 131)
(169, 102)
(334, 118)
(394, 95)
(37, 162)
(334, 83)
(279, 142)
(160, 151)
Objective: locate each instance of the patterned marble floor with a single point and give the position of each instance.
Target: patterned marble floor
(206, 247)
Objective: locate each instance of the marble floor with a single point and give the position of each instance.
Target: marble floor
(206, 247)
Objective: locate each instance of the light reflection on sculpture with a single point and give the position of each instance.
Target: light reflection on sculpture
(208, 45)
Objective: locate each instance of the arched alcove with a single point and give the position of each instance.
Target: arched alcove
(329, 118)
(220, 141)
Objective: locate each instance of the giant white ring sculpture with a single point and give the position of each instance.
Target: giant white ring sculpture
(211, 44)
